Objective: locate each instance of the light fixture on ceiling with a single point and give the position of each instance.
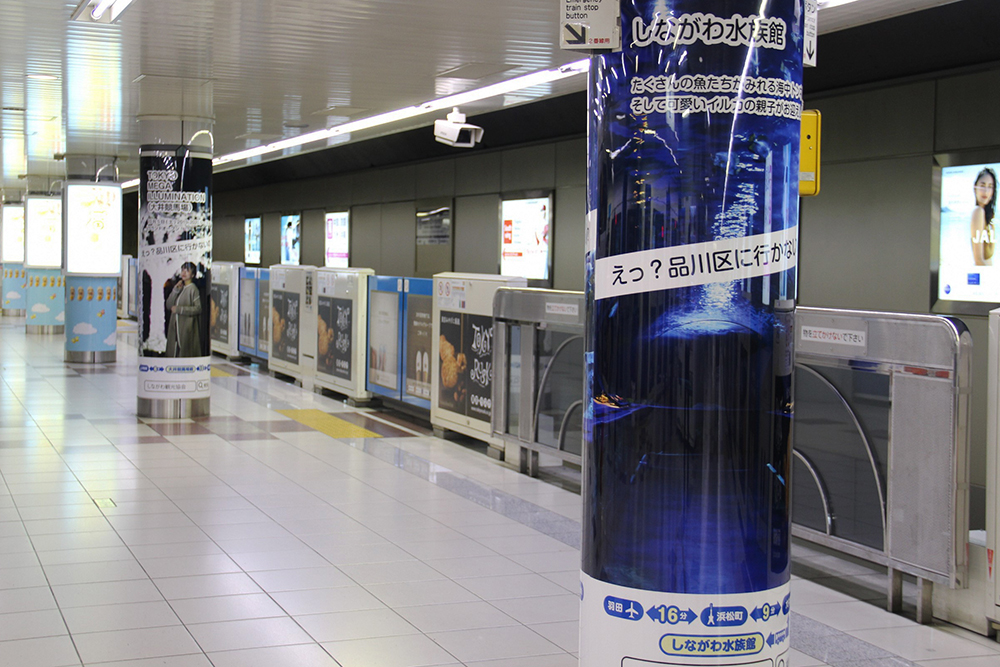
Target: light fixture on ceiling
(468, 97)
(100, 11)
(43, 77)
(461, 99)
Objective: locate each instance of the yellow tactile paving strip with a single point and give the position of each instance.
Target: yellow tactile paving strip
(219, 373)
(328, 424)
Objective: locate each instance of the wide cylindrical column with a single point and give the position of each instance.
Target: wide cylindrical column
(691, 246)
(175, 260)
(92, 213)
(12, 250)
(43, 261)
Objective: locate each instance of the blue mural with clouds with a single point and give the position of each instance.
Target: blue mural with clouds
(45, 298)
(91, 316)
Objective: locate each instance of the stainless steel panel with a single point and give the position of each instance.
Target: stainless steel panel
(102, 357)
(177, 408)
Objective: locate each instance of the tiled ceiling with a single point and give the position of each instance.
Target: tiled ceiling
(269, 69)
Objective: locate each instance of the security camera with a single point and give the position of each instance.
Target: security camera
(454, 131)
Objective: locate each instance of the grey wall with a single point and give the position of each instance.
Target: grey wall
(383, 204)
(866, 240)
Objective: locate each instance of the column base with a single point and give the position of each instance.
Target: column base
(46, 329)
(172, 408)
(91, 357)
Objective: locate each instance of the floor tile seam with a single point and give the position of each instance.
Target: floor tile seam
(797, 642)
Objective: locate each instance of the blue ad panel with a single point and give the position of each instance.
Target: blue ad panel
(693, 193)
(385, 317)
(248, 310)
(15, 283)
(418, 326)
(263, 313)
(45, 298)
(691, 263)
(91, 319)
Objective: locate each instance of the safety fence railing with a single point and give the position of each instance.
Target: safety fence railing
(538, 374)
(881, 443)
(881, 437)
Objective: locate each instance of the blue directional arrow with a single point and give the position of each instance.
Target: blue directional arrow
(765, 611)
(777, 637)
(672, 615)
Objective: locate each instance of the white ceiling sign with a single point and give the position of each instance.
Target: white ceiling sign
(590, 25)
(810, 33)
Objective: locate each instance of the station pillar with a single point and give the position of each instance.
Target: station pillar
(175, 248)
(92, 208)
(691, 247)
(12, 249)
(45, 284)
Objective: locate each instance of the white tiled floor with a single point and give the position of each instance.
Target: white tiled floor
(238, 542)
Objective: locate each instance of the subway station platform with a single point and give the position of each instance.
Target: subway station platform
(290, 529)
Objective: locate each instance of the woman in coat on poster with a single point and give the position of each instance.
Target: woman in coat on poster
(184, 304)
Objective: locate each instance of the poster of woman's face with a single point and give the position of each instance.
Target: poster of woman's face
(290, 238)
(967, 267)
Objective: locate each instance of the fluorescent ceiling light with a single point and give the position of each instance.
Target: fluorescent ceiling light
(100, 11)
(43, 77)
(826, 4)
(461, 99)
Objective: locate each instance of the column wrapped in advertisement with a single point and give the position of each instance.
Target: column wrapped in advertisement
(174, 275)
(691, 263)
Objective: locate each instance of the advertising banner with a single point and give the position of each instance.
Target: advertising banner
(452, 389)
(46, 304)
(338, 239)
(218, 324)
(174, 273)
(524, 244)
(291, 230)
(248, 316)
(466, 350)
(383, 339)
(968, 268)
(285, 326)
(264, 333)
(91, 320)
(13, 234)
(93, 228)
(477, 332)
(335, 345)
(251, 241)
(692, 247)
(419, 332)
(43, 228)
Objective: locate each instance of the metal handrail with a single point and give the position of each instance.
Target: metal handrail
(545, 378)
(864, 439)
(819, 487)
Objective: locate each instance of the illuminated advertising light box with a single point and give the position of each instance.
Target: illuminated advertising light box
(968, 275)
(524, 240)
(13, 234)
(251, 241)
(338, 239)
(93, 228)
(43, 233)
(291, 237)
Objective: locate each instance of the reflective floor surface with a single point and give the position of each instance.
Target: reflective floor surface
(290, 529)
